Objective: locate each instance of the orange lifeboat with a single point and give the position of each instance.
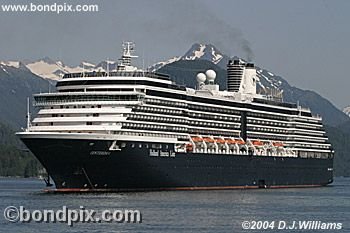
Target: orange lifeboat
(220, 140)
(240, 142)
(230, 141)
(278, 144)
(197, 139)
(207, 139)
(258, 143)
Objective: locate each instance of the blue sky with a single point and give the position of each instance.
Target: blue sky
(306, 42)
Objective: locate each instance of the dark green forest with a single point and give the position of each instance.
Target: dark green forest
(15, 159)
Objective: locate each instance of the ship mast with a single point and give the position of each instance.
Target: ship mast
(28, 115)
(125, 60)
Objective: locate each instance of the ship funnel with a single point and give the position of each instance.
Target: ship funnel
(241, 77)
(235, 71)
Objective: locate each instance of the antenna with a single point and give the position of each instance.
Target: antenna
(28, 115)
(299, 108)
(107, 67)
(143, 62)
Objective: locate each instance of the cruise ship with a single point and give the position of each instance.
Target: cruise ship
(133, 130)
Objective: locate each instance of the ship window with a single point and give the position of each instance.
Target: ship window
(140, 145)
(95, 114)
(61, 106)
(98, 106)
(89, 123)
(83, 106)
(51, 123)
(133, 145)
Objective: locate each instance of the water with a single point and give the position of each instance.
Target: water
(183, 211)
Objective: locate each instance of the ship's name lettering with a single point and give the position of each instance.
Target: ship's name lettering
(155, 153)
(100, 153)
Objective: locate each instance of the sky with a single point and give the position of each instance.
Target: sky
(306, 42)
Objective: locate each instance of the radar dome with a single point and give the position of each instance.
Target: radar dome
(201, 77)
(211, 75)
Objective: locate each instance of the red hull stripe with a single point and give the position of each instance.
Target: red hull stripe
(77, 190)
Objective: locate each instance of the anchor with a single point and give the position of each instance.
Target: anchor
(48, 181)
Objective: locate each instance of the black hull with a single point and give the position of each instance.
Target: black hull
(89, 165)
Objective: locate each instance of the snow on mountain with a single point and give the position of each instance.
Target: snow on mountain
(102, 66)
(8, 65)
(269, 81)
(15, 64)
(205, 52)
(54, 70)
(160, 64)
(197, 51)
(346, 110)
(87, 65)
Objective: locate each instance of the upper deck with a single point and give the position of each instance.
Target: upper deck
(94, 74)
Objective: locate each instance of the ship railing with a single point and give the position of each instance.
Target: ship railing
(117, 74)
(115, 102)
(317, 117)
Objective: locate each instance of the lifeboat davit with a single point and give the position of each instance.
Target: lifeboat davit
(189, 147)
(277, 144)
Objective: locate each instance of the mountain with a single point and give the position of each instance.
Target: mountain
(16, 84)
(206, 52)
(341, 144)
(198, 51)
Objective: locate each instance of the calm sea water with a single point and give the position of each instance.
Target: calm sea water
(183, 211)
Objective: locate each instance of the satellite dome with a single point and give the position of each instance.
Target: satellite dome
(211, 75)
(201, 77)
